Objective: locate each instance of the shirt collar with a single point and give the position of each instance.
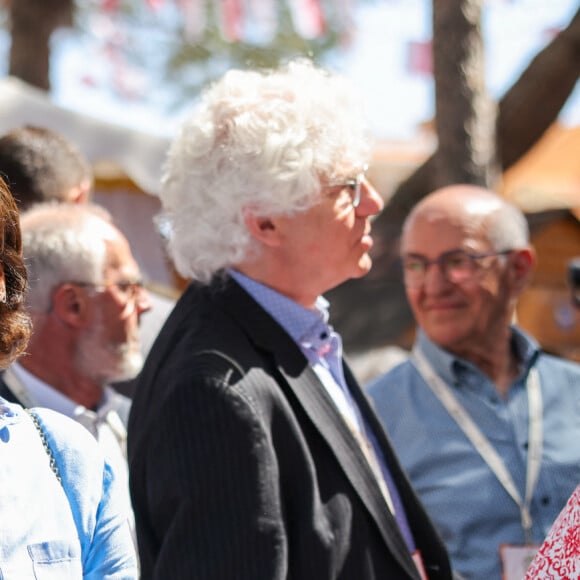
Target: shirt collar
(45, 395)
(446, 364)
(302, 324)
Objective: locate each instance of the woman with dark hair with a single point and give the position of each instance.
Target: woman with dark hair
(14, 322)
(60, 513)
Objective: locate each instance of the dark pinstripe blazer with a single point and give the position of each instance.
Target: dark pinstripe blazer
(242, 469)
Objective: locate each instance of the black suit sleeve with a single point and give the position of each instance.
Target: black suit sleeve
(210, 482)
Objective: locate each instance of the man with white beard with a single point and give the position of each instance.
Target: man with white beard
(86, 299)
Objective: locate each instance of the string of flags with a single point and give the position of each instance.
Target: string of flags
(246, 20)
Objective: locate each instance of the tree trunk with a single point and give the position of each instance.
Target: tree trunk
(534, 101)
(32, 23)
(371, 312)
(464, 114)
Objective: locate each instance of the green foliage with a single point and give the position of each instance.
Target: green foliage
(156, 43)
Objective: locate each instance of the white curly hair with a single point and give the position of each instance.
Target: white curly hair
(259, 141)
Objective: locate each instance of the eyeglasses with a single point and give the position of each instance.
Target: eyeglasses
(456, 266)
(354, 185)
(130, 290)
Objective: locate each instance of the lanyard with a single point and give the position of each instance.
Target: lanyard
(482, 443)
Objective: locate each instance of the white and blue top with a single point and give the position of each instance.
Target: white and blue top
(69, 529)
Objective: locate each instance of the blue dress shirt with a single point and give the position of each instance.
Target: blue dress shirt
(472, 511)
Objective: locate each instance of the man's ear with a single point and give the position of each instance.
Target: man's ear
(80, 193)
(262, 228)
(523, 263)
(70, 304)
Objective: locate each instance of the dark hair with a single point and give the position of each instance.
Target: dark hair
(41, 165)
(15, 323)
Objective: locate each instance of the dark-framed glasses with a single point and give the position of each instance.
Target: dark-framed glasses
(456, 266)
(354, 186)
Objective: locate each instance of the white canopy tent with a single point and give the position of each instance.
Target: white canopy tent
(136, 154)
(129, 153)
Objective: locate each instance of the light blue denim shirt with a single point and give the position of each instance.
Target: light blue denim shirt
(472, 511)
(45, 533)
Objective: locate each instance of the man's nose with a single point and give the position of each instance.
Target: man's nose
(143, 300)
(371, 203)
(434, 278)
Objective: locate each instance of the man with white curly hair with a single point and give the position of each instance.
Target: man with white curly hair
(253, 451)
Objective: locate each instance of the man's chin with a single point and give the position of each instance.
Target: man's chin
(363, 267)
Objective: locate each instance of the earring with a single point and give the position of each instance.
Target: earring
(2, 297)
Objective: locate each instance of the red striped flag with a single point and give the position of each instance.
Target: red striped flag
(308, 18)
(231, 20)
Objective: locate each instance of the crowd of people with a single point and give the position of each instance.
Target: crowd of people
(247, 448)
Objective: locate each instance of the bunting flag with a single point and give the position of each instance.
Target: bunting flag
(262, 19)
(194, 19)
(255, 20)
(548, 34)
(307, 17)
(109, 5)
(154, 4)
(231, 20)
(345, 20)
(420, 57)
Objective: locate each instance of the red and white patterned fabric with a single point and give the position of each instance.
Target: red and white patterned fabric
(559, 556)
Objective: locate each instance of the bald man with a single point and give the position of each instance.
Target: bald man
(486, 425)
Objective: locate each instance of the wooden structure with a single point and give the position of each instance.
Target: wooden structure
(545, 184)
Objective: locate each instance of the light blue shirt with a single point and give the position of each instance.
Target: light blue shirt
(307, 327)
(45, 532)
(472, 511)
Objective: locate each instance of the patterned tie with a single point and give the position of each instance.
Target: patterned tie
(328, 346)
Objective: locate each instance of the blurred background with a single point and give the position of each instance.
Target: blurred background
(474, 91)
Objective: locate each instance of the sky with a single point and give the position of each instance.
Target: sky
(396, 101)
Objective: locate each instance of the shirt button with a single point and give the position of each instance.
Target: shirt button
(545, 500)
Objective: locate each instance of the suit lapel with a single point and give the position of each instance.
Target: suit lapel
(323, 414)
(319, 408)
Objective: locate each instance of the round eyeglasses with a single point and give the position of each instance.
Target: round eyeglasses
(354, 186)
(456, 266)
